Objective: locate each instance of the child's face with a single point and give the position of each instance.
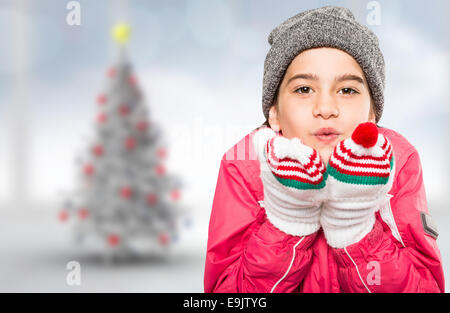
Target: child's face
(320, 99)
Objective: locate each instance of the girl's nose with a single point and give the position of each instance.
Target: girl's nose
(326, 107)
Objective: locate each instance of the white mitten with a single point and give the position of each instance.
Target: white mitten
(293, 176)
(360, 175)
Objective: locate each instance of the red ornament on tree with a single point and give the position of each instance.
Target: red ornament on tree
(83, 213)
(130, 143)
(151, 198)
(163, 239)
(126, 192)
(101, 118)
(175, 194)
(113, 240)
(111, 72)
(88, 169)
(160, 169)
(63, 216)
(142, 125)
(161, 153)
(132, 80)
(101, 99)
(98, 150)
(124, 110)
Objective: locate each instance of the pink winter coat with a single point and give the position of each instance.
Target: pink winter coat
(246, 253)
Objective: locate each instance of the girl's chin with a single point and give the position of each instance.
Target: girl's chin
(325, 153)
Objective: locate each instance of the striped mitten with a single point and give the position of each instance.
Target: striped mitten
(361, 172)
(293, 176)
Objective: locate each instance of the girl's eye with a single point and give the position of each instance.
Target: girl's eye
(349, 91)
(304, 89)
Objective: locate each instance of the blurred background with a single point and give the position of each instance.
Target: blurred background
(199, 65)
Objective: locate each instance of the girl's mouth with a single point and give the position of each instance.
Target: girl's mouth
(327, 138)
(326, 135)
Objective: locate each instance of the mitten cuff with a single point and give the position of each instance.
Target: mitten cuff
(295, 226)
(341, 237)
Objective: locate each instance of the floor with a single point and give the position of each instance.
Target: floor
(35, 251)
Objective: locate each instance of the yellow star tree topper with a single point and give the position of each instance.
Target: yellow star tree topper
(121, 33)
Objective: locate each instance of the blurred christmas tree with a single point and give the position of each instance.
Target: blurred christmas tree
(127, 204)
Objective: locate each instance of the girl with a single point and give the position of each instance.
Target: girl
(320, 198)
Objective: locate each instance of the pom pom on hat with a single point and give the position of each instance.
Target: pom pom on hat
(366, 135)
(366, 158)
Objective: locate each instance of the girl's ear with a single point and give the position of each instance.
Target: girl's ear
(372, 113)
(273, 118)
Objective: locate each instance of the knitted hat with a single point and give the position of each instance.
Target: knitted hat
(328, 26)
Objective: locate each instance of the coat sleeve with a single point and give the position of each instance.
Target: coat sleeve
(245, 252)
(397, 257)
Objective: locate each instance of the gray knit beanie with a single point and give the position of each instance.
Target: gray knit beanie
(328, 26)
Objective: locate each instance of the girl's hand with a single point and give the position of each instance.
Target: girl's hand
(293, 176)
(361, 172)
